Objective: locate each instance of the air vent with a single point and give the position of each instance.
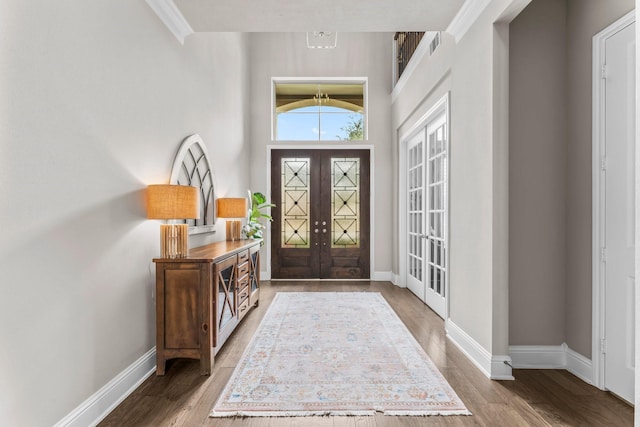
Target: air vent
(434, 43)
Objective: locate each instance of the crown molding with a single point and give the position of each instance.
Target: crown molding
(466, 16)
(171, 16)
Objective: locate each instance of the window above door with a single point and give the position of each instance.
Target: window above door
(319, 110)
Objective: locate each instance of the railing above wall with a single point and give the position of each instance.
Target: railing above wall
(406, 44)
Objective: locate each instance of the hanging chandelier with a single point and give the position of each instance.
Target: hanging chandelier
(320, 98)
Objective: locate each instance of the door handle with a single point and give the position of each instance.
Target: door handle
(316, 230)
(324, 230)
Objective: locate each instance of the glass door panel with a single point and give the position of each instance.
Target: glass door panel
(295, 203)
(226, 302)
(345, 202)
(415, 211)
(437, 164)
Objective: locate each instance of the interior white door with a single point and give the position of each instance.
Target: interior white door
(427, 165)
(619, 227)
(416, 237)
(437, 215)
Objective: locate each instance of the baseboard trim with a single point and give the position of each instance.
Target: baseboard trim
(495, 367)
(396, 281)
(100, 404)
(579, 366)
(538, 356)
(382, 276)
(376, 276)
(501, 368)
(552, 357)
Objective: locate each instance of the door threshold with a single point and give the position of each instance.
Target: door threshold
(320, 280)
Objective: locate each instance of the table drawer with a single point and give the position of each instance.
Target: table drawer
(243, 281)
(243, 294)
(243, 309)
(243, 269)
(243, 256)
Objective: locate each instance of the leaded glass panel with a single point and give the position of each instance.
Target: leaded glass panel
(345, 202)
(295, 202)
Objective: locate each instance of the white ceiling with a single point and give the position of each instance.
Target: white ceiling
(319, 15)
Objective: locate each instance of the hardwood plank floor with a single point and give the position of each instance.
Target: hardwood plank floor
(536, 398)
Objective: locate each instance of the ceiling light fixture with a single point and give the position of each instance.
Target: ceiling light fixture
(322, 40)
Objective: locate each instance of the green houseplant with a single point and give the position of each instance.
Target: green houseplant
(254, 228)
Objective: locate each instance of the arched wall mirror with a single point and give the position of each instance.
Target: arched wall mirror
(192, 167)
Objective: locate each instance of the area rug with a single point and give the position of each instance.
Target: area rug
(335, 353)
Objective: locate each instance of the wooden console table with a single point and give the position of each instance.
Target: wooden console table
(201, 299)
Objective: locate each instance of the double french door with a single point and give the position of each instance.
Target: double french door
(320, 225)
(427, 215)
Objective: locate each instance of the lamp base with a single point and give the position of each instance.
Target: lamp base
(174, 240)
(233, 230)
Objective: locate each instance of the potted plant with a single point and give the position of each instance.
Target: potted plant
(253, 229)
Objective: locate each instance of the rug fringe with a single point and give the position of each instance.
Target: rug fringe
(425, 413)
(218, 414)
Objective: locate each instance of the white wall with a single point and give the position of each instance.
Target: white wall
(356, 55)
(473, 71)
(96, 97)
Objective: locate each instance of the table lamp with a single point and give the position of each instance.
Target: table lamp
(173, 202)
(232, 208)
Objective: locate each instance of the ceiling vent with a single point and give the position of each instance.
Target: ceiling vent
(434, 43)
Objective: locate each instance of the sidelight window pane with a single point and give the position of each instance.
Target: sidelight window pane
(345, 202)
(295, 203)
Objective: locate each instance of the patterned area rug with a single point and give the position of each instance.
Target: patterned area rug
(335, 353)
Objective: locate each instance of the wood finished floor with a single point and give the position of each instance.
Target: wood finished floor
(536, 398)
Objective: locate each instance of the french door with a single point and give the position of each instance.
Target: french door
(320, 225)
(427, 214)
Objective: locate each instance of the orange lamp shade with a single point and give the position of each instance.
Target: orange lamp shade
(173, 202)
(232, 208)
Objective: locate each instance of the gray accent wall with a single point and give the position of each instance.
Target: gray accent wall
(537, 174)
(585, 18)
(550, 222)
(96, 98)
